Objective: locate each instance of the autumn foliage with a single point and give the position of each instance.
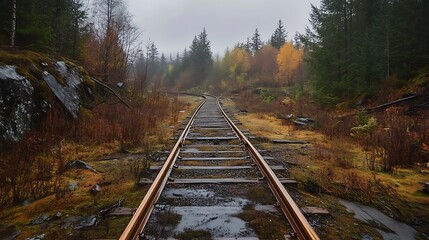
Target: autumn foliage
(267, 67)
(288, 61)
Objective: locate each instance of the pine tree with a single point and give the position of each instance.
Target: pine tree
(279, 36)
(256, 42)
(248, 45)
(42, 24)
(153, 54)
(356, 44)
(200, 57)
(162, 63)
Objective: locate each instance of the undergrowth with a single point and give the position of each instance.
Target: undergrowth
(32, 168)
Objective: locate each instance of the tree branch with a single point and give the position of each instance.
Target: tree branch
(111, 90)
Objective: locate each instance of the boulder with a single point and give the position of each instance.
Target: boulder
(27, 91)
(16, 104)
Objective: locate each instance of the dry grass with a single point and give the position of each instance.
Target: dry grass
(80, 202)
(338, 165)
(266, 225)
(271, 127)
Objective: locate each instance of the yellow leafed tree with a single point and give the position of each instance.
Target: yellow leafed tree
(239, 66)
(288, 61)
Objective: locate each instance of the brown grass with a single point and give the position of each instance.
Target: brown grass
(337, 164)
(95, 134)
(266, 225)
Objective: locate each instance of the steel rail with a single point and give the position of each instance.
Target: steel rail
(143, 212)
(293, 214)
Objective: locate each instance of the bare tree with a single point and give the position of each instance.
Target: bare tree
(128, 40)
(13, 25)
(118, 39)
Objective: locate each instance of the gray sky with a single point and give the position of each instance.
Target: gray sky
(172, 24)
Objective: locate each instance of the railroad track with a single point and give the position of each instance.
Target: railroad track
(212, 178)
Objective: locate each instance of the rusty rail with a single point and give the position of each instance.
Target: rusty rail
(293, 214)
(143, 212)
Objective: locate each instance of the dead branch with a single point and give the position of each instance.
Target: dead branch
(111, 90)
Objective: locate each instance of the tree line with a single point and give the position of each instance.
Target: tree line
(350, 48)
(48, 23)
(276, 62)
(354, 45)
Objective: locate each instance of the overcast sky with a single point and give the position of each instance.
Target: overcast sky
(172, 24)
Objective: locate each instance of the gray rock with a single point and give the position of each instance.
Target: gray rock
(16, 104)
(39, 237)
(95, 189)
(41, 219)
(21, 104)
(72, 186)
(58, 215)
(91, 221)
(79, 164)
(67, 94)
(70, 221)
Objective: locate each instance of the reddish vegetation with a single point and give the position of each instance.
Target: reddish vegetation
(31, 169)
(392, 137)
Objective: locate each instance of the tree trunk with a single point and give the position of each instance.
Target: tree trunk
(13, 26)
(107, 40)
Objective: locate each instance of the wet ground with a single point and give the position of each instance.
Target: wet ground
(388, 227)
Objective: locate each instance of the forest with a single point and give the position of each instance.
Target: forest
(352, 58)
(350, 46)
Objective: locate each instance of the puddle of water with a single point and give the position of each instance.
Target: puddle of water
(219, 220)
(187, 193)
(265, 208)
(191, 150)
(368, 214)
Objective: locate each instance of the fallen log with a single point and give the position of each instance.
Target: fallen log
(382, 106)
(385, 105)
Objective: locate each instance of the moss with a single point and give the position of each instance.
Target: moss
(266, 225)
(260, 195)
(194, 235)
(168, 218)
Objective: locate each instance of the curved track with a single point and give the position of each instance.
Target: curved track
(206, 180)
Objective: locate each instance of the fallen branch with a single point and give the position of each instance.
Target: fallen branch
(111, 90)
(383, 106)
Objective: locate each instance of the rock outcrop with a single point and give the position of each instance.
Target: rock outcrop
(27, 92)
(16, 104)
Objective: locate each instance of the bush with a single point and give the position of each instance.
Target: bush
(394, 142)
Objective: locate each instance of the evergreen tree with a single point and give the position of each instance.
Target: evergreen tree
(153, 54)
(248, 45)
(256, 42)
(356, 44)
(53, 24)
(200, 56)
(153, 60)
(279, 36)
(162, 63)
